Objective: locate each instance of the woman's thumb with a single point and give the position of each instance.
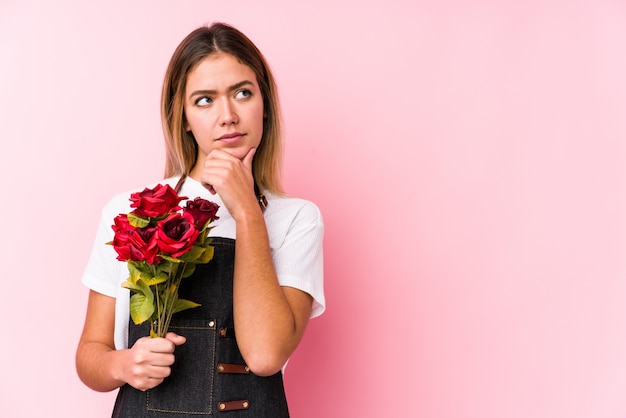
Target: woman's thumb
(247, 160)
(175, 338)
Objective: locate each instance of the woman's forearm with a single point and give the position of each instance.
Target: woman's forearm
(96, 364)
(269, 319)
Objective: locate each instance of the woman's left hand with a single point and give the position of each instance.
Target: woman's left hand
(232, 179)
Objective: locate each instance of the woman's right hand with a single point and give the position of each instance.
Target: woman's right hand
(148, 362)
(103, 368)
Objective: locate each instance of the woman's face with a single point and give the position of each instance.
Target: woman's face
(223, 106)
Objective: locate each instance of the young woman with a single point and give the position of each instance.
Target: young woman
(222, 127)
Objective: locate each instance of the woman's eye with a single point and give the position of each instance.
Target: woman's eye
(204, 101)
(242, 94)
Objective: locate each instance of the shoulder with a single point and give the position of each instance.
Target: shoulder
(288, 207)
(290, 220)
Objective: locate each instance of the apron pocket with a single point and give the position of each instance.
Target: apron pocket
(189, 388)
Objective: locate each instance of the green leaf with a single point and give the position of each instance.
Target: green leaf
(153, 281)
(182, 304)
(128, 284)
(192, 254)
(141, 308)
(142, 302)
(171, 289)
(138, 221)
(138, 272)
(202, 238)
(207, 255)
(138, 286)
(167, 268)
(168, 258)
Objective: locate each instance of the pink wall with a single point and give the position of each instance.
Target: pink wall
(469, 161)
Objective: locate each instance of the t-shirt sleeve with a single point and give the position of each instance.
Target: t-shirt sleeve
(103, 272)
(299, 260)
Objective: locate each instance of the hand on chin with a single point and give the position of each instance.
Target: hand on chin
(237, 152)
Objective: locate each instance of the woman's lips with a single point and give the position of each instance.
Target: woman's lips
(231, 138)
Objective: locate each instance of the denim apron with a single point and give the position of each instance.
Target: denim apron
(209, 375)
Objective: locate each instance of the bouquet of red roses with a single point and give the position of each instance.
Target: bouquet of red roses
(162, 243)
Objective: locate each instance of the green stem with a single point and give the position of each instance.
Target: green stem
(163, 312)
(156, 295)
(177, 279)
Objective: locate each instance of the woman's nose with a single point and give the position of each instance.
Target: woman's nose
(228, 116)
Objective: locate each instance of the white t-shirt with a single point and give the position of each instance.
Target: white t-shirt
(295, 230)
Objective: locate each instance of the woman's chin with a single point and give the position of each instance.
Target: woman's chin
(237, 152)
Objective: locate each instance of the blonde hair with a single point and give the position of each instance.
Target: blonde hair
(180, 145)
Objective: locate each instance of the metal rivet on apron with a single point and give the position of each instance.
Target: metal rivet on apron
(212, 324)
(233, 405)
(232, 368)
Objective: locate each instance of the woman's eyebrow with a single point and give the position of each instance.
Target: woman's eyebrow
(240, 84)
(231, 88)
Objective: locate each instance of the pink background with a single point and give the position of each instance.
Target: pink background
(468, 159)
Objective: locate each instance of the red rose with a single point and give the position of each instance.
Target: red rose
(121, 224)
(176, 234)
(121, 246)
(145, 241)
(202, 211)
(122, 230)
(155, 202)
(137, 245)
